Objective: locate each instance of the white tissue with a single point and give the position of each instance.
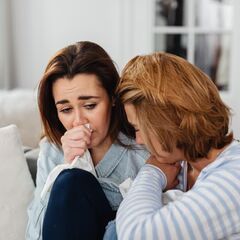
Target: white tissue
(125, 186)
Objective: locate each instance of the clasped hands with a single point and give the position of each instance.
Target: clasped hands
(171, 170)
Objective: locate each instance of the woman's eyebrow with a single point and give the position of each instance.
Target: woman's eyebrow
(64, 101)
(84, 97)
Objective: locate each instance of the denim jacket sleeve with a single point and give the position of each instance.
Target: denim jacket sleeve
(49, 157)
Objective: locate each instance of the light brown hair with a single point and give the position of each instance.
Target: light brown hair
(176, 102)
(82, 57)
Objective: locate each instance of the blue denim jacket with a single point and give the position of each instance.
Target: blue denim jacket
(118, 164)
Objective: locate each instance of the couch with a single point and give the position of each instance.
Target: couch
(20, 132)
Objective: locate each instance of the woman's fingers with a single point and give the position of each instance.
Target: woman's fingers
(70, 154)
(171, 170)
(75, 141)
(78, 133)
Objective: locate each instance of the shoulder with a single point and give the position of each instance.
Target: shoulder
(132, 149)
(47, 148)
(222, 176)
(130, 158)
(227, 162)
(50, 155)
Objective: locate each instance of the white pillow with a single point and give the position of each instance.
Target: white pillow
(16, 185)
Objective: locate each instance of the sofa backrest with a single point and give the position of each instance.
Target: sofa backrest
(19, 107)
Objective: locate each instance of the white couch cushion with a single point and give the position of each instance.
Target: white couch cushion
(16, 185)
(19, 107)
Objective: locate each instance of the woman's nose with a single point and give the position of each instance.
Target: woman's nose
(139, 139)
(79, 119)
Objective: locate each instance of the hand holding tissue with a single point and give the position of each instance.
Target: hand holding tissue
(84, 162)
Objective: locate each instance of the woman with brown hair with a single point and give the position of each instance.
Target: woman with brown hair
(178, 114)
(80, 113)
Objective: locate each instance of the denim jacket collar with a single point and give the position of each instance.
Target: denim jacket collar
(110, 161)
(112, 158)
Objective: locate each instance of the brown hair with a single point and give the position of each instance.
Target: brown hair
(176, 102)
(82, 57)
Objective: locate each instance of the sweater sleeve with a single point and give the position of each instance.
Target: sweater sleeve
(210, 210)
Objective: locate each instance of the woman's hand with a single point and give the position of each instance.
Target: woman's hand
(75, 141)
(170, 170)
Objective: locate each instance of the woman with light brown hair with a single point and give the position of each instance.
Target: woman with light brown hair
(178, 114)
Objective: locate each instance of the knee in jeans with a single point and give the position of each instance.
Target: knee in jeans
(73, 177)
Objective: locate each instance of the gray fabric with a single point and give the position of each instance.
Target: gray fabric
(31, 157)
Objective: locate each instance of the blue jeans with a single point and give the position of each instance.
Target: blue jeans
(77, 208)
